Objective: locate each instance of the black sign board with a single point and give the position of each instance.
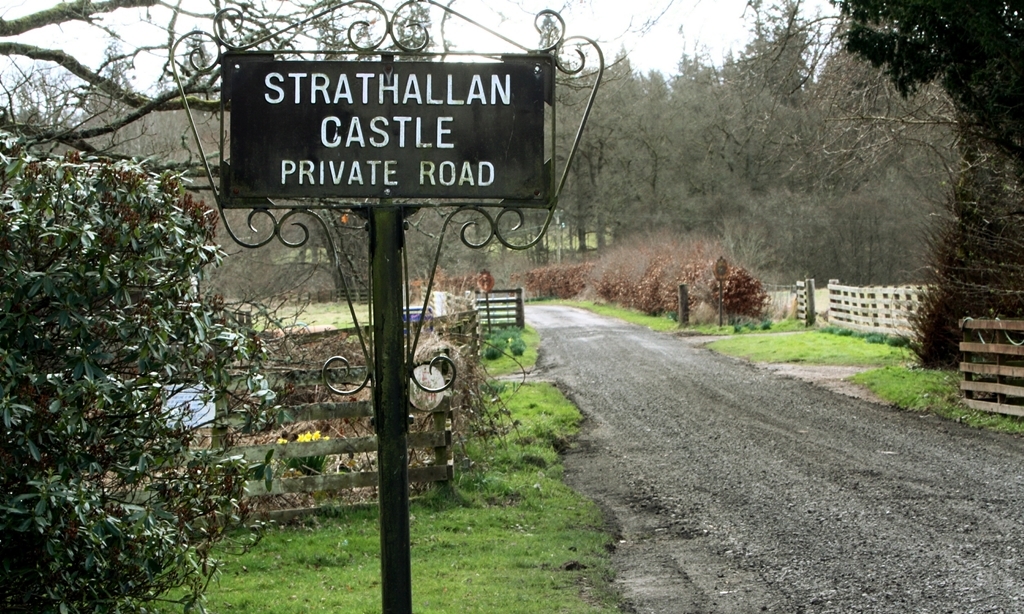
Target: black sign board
(413, 129)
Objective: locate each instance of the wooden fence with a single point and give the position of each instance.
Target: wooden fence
(359, 295)
(869, 309)
(993, 365)
(501, 308)
(805, 309)
(430, 436)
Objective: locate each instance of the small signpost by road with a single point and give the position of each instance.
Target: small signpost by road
(721, 271)
(485, 283)
(379, 128)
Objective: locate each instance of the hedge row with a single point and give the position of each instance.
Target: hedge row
(556, 281)
(647, 279)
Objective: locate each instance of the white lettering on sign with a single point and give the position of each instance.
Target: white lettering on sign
(356, 142)
(331, 127)
(384, 172)
(313, 88)
(445, 174)
(272, 81)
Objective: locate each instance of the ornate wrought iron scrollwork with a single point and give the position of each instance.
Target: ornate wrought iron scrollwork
(447, 370)
(364, 35)
(347, 370)
(409, 29)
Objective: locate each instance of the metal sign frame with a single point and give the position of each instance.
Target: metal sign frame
(411, 129)
(387, 37)
(382, 38)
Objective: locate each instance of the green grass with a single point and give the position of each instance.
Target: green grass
(780, 326)
(335, 314)
(931, 391)
(508, 537)
(812, 347)
(897, 380)
(507, 364)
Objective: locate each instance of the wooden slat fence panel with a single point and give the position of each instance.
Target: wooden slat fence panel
(341, 481)
(805, 309)
(883, 309)
(993, 365)
(461, 328)
(359, 295)
(438, 441)
(501, 308)
(346, 445)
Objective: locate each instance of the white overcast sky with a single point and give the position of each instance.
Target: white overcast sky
(655, 33)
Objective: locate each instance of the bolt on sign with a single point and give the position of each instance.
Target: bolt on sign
(413, 129)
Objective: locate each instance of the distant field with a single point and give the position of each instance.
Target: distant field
(334, 314)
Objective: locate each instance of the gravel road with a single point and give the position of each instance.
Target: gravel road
(734, 489)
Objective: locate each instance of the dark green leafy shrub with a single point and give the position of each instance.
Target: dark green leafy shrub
(517, 346)
(897, 342)
(875, 337)
(504, 340)
(103, 506)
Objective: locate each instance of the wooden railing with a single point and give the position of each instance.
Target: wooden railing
(993, 365)
(501, 308)
(332, 295)
(885, 309)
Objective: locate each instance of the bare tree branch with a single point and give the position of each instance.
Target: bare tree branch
(82, 10)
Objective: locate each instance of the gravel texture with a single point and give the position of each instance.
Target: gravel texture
(733, 488)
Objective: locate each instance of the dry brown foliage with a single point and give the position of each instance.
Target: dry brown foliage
(646, 278)
(556, 281)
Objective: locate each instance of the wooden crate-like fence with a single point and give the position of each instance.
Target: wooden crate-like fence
(331, 295)
(501, 308)
(884, 309)
(993, 365)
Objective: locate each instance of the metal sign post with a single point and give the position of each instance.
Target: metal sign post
(381, 128)
(390, 402)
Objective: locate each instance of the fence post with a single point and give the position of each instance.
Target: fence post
(831, 282)
(520, 309)
(442, 454)
(809, 289)
(476, 330)
(683, 312)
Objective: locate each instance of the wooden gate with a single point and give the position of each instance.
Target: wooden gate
(993, 365)
(501, 308)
